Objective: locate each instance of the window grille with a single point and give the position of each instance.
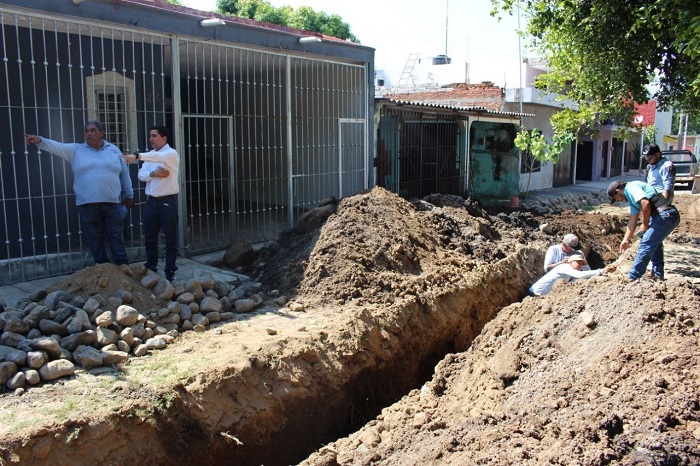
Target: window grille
(111, 111)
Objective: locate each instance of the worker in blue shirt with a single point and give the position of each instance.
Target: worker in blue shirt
(100, 178)
(659, 219)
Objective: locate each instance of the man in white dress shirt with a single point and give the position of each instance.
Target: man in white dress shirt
(160, 172)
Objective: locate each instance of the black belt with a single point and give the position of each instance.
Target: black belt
(169, 197)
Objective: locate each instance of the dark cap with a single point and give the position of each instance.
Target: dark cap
(649, 150)
(611, 190)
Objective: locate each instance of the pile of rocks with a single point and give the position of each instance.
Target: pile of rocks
(45, 338)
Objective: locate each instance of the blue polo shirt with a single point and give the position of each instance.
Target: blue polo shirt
(635, 191)
(99, 175)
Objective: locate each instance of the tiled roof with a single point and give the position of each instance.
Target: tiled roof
(484, 95)
(647, 112)
(446, 106)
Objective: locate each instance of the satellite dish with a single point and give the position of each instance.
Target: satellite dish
(638, 120)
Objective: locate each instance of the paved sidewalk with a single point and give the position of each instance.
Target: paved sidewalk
(195, 266)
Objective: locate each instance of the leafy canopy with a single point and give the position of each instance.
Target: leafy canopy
(304, 17)
(604, 53)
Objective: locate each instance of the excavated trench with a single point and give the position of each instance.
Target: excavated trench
(283, 404)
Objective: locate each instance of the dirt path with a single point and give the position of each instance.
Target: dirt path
(387, 288)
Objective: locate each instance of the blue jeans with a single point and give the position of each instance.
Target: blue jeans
(650, 247)
(161, 213)
(102, 220)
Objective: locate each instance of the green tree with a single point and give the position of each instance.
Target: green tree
(534, 147)
(304, 17)
(603, 54)
(174, 2)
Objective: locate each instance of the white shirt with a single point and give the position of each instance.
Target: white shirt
(564, 272)
(556, 254)
(165, 157)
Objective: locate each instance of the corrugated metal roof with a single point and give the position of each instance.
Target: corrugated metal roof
(417, 103)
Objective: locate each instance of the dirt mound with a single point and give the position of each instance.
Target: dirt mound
(596, 372)
(107, 280)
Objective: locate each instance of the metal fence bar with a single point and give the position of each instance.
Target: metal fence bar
(264, 151)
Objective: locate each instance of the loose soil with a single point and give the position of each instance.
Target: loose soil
(599, 371)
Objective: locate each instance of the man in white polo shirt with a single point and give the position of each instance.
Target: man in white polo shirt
(559, 253)
(160, 172)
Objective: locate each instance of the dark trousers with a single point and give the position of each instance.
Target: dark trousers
(104, 220)
(161, 213)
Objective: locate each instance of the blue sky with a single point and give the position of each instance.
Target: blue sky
(397, 28)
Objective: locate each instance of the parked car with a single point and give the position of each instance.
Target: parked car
(686, 165)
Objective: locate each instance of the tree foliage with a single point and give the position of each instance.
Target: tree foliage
(304, 17)
(603, 54)
(534, 147)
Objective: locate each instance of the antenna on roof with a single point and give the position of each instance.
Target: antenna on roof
(447, 7)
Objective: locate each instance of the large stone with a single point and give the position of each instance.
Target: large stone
(4, 351)
(150, 280)
(87, 356)
(127, 335)
(36, 359)
(91, 305)
(62, 315)
(114, 357)
(79, 322)
(315, 218)
(199, 319)
(49, 327)
(37, 295)
(126, 315)
(126, 296)
(209, 304)
(19, 357)
(53, 370)
(243, 305)
(71, 342)
(194, 286)
(36, 315)
(16, 381)
(163, 289)
(156, 343)
(221, 288)
(11, 339)
(239, 254)
(104, 319)
(185, 298)
(48, 345)
(171, 319)
(54, 298)
(7, 370)
(141, 350)
(17, 326)
(105, 336)
(31, 376)
(185, 312)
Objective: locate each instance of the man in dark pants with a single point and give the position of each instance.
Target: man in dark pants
(658, 217)
(160, 173)
(100, 179)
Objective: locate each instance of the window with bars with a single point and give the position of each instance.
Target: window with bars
(112, 112)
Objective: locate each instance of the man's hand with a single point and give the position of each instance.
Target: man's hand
(160, 172)
(609, 268)
(32, 139)
(128, 202)
(624, 245)
(128, 158)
